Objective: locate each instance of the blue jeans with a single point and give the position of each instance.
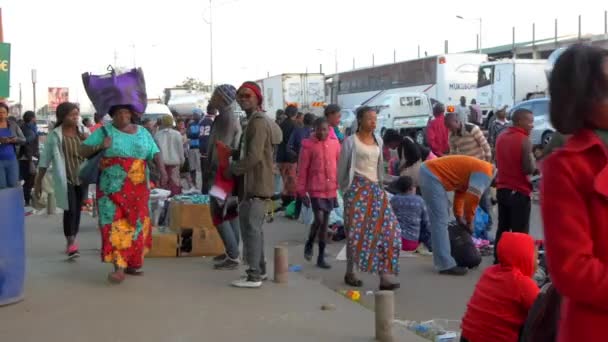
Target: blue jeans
(436, 199)
(230, 232)
(9, 173)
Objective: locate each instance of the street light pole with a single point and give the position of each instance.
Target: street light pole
(34, 87)
(211, 45)
(479, 47)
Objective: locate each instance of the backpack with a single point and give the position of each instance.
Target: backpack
(463, 249)
(541, 325)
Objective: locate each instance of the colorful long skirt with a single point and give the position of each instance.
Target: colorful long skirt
(373, 234)
(124, 213)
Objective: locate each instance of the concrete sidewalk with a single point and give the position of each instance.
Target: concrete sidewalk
(177, 300)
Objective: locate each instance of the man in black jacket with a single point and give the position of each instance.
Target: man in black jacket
(287, 162)
(26, 154)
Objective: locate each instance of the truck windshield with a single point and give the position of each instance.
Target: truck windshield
(486, 76)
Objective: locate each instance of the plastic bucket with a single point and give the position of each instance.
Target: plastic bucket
(12, 245)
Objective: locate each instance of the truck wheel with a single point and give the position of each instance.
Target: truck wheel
(546, 138)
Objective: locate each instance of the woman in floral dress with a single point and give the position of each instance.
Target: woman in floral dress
(373, 234)
(123, 191)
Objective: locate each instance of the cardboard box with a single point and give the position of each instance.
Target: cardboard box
(204, 242)
(164, 244)
(189, 216)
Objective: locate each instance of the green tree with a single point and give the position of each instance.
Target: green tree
(194, 84)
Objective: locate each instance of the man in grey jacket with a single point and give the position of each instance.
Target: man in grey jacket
(257, 186)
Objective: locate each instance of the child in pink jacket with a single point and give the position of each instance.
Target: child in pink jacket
(317, 184)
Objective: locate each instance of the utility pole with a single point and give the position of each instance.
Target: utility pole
(336, 60)
(394, 55)
(20, 100)
(34, 80)
(580, 35)
(211, 43)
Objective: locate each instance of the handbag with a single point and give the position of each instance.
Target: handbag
(89, 170)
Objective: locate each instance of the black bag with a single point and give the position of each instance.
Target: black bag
(89, 170)
(541, 325)
(463, 249)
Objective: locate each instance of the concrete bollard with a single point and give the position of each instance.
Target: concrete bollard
(281, 265)
(51, 206)
(385, 314)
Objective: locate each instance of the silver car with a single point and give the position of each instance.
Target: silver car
(543, 130)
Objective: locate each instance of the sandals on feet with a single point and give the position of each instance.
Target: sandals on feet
(116, 277)
(351, 280)
(389, 286)
(134, 271)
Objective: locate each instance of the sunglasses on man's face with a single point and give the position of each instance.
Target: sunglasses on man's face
(244, 96)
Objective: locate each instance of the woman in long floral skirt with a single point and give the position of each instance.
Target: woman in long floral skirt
(123, 192)
(373, 236)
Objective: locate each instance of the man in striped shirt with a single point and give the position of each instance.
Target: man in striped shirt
(467, 139)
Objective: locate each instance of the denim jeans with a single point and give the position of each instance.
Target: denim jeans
(9, 173)
(252, 213)
(230, 232)
(436, 199)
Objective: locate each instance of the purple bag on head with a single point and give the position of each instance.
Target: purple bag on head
(113, 89)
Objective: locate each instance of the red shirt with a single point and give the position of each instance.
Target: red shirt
(574, 203)
(437, 136)
(504, 294)
(509, 160)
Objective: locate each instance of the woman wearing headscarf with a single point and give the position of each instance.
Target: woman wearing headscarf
(226, 130)
(123, 191)
(61, 150)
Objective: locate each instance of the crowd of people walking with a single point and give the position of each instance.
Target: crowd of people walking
(395, 190)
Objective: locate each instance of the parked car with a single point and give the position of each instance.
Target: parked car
(543, 130)
(43, 126)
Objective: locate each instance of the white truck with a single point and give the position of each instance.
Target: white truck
(305, 91)
(507, 82)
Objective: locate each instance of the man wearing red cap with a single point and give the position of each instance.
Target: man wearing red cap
(257, 185)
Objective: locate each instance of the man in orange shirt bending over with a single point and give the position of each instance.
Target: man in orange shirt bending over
(468, 177)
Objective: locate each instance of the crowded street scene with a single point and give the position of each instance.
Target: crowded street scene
(222, 170)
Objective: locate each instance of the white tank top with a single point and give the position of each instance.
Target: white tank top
(366, 160)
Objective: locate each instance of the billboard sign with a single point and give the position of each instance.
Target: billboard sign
(57, 95)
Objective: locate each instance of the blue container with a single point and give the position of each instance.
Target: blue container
(12, 245)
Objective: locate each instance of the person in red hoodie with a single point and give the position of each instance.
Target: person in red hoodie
(574, 192)
(437, 132)
(504, 294)
(317, 184)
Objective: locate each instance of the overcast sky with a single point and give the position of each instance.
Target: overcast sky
(64, 38)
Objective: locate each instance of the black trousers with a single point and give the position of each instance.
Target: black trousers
(205, 175)
(513, 214)
(27, 173)
(71, 217)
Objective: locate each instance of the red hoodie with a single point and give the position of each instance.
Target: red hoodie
(437, 135)
(504, 294)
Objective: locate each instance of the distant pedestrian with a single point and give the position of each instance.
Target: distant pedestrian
(467, 139)
(300, 119)
(225, 129)
(98, 119)
(373, 236)
(61, 151)
(10, 137)
(184, 170)
(294, 145)
(171, 145)
(515, 163)
(333, 116)
(437, 132)
(318, 184)
(462, 110)
(475, 113)
(574, 192)
(123, 191)
(193, 132)
(288, 163)
(497, 126)
(205, 149)
(279, 116)
(255, 165)
(468, 178)
(28, 151)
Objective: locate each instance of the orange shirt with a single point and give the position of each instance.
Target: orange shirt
(467, 176)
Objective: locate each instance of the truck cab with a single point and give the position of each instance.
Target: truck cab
(507, 82)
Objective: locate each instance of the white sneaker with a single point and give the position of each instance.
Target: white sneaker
(422, 250)
(264, 277)
(246, 283)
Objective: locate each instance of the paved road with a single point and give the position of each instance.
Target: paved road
(423, 295)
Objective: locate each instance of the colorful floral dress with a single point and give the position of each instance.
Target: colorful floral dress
(374, 237)
(123, 195)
